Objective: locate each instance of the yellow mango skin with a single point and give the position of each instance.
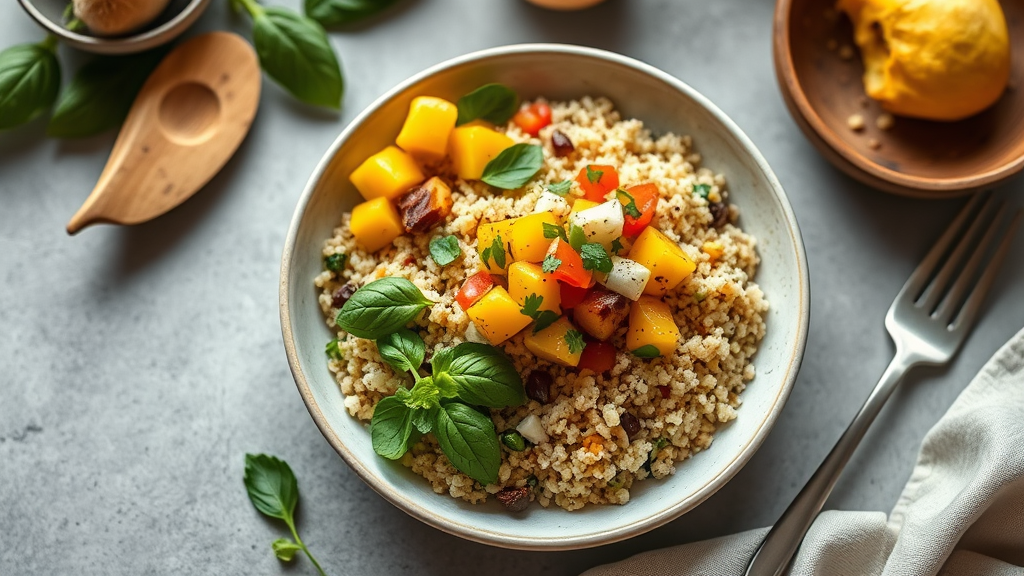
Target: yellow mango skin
(528, 241)
(497, 316)
(472, 147)
(427, 127)
(485, 235)
(668, 264)
(387, 174)
(525, 279)
(581, 204)
(550, 344)
(651, 322)
(375, 223)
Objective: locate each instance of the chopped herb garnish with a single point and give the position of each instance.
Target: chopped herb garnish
(335, 262)
(630, 206)
(574, 338)
(498, 251)
(647, 351)
(616, 245)
(332, 350)
(485, 255)
(700, 296)
(560, 188)
(595, 258)
(554, 231)
(531, 481)
(445, 249)
(702, 190)
(513, 440)
(594, 175)
(541, 318)
(550, 264)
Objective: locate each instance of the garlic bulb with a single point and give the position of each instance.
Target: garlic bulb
(114, 17)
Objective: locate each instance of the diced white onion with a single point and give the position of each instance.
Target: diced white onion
(553, 203)
(627, 277)
(602, 223)
(532, 430)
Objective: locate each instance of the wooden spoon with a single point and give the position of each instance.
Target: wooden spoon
(188, 119)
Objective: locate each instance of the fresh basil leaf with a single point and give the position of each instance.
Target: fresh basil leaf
(574, 338)
(514, 166)
(296, 53)
(577, 237)
(498, 251)
(468, 439)
(340, 12)
(594, 176)
(484, 376)
(441, 361)
(495, 103)
(29, 82)
(647, 351)
(445, 249)
(101, 93)
(595, 258)
(390, 428)
(403, 350)
(424, 395)
(560, 188)
(550, 264)
(423, 419)
(284, 549)
(381, 307)
(271, 485)
(554, 231)
(544, 319)
(702, 190)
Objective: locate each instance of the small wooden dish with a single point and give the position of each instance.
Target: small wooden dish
(915, 157)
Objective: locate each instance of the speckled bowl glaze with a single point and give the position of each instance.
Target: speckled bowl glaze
(664, 104)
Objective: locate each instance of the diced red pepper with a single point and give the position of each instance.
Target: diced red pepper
(645, 196)
(597, 180)
(570, 267)
(571, 295)
(474, 289)
(597, 356)
(532, 118)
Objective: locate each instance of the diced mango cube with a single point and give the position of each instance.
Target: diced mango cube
(581, 204)
(472, 147)
(552, 343)
(497, 316)
(486, 234)
(713, 249)
(528, 241)
(388, 174)
(375, 223)
(427, 127)
(651, 324)
(668, 264)
(525, 279)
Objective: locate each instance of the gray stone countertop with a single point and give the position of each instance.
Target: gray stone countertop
(140, 364)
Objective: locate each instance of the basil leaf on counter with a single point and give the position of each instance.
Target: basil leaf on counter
(101, 93)
(514, 166)
(647, 351)
(403, 350)
(271, 485)
(381, 307)
(495, 103)
(295, 52)
(284, 549)
(445, 249)
(468, 439)
(340, 12)
(483, 375)
(29, 81)
(390, 427)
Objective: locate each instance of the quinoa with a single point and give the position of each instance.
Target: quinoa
(678, 400)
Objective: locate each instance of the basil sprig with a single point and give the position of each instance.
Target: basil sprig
(445, 249)
(341, 12)
(495, 103)
(381, 307)
(647, 351)
(468, 439)
(404, 350)
(514, 166)
(274, 491)
(29, 81)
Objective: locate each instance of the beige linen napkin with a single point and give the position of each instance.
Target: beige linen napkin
(961, 513)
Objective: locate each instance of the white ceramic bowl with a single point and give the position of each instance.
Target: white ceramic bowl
(664, 104)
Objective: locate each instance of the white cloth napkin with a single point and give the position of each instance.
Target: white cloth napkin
(961, 513)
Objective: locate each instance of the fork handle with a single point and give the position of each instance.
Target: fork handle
(773, 556)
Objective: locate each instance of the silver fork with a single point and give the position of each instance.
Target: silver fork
(928, 321)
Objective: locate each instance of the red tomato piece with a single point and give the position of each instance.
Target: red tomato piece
(571, 295)
(597, 180)
(570, 266)
(597, 356)
(645, 197)
(474, 289)
(532, 118)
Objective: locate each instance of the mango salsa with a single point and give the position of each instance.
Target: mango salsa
(527, 237)
(525, 279)
(472, 147)
(485, 236)
(427, 127)
(497, 316)
(552, 343)
(651, 324)
(388, 174)
(375, 223)
(668, 264)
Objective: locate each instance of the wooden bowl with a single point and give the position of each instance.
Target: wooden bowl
(822, 89)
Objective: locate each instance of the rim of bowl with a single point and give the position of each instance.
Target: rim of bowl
(654, 520)
(860, 167)
(144, 40)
